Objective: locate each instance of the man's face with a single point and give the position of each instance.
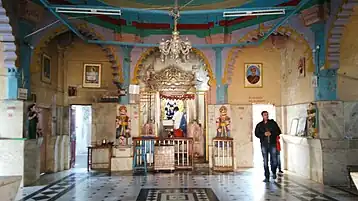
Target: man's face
(265, 116)
(253, 71)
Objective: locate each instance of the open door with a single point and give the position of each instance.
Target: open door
(73, 136)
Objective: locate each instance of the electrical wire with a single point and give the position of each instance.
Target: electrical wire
(53, 23)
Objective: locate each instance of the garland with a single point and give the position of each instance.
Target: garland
(182, 97)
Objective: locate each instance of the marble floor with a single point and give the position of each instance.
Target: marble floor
(244, 185)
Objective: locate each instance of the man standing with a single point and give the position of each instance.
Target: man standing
(267, 131)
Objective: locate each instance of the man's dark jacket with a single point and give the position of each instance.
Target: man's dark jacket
(271, 126)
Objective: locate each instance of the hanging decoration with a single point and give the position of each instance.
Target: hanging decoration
(178, 97)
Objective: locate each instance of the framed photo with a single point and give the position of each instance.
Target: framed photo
(46, 69)
(301, 67)
(253, 75)
(92, 75)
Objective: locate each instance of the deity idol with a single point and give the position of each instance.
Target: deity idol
(122, 125)
(223, 123)
(195, 131)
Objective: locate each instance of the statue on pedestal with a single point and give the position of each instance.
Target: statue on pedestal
(196, 132)
(223, 123)
(202, 78)
(123, 126)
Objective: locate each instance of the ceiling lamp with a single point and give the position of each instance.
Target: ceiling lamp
(175, 48)
(88, 10)
(254, 13)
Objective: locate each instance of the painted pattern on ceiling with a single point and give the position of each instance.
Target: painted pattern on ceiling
(194, 5)
(145, 24)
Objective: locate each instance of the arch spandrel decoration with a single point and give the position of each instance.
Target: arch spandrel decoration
(150, 51)
(252, 35)
(85, 30)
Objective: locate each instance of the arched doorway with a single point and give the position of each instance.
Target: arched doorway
(167, 85)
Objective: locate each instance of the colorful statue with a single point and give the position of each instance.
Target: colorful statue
(223, 123)
(169, 109)
(311, 121)
(123, 125)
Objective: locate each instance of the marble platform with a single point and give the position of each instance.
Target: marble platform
(354, 176)
(9, 186)
(122, 159)
(32, 158)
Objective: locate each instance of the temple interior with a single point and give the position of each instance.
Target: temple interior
(178, 100)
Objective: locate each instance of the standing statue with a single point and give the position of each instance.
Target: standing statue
(196, 132)
(223, 123)
(123, 126)
(33, 118)
(311, 121)
(202, 78)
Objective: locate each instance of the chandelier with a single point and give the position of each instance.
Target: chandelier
(175, 48)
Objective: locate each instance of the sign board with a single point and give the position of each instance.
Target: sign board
(134, 89)
(22, 94)
(314, 82)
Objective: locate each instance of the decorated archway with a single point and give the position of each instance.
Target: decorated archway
(252, 36)
(150, 51)
(89, 33)
(335, 33)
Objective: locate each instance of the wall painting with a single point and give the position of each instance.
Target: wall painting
(253, 75)
(92, 75)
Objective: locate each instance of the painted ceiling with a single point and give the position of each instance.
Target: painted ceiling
(200, 17)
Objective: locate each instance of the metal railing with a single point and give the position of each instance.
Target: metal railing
(223, 154)
(183, 150)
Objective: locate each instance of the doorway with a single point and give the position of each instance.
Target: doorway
(81, 130)
(256, 118)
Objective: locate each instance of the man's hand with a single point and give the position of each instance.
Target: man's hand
(268, 133)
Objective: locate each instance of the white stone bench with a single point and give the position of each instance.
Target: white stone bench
(9, 185)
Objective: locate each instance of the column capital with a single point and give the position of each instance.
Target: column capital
(218, 49)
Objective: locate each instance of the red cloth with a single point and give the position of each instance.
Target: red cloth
(278, 145)
(178, 133)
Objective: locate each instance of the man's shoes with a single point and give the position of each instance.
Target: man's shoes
(280, 172)
(266, 180)
(274, 176)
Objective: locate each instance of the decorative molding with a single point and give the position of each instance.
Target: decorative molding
(88, 32)
(335, 33)
(255, 35)
(149, 51)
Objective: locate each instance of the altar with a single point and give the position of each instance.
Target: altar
(169, 109)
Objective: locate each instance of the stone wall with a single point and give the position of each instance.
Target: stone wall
(325, 159)
(241, 131)
(104, 128)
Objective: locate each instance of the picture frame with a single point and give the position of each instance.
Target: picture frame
(92, 75)
(46, 69)
(253, 75)
(301, 68)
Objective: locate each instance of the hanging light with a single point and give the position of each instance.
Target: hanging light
(175, 48)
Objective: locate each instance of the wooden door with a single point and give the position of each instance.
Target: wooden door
(44, 118)
(73, 135)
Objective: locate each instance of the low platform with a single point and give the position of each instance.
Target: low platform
(9, 186)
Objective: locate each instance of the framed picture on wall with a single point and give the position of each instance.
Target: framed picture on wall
(46, 69)
(253, 75)
(92, 75)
